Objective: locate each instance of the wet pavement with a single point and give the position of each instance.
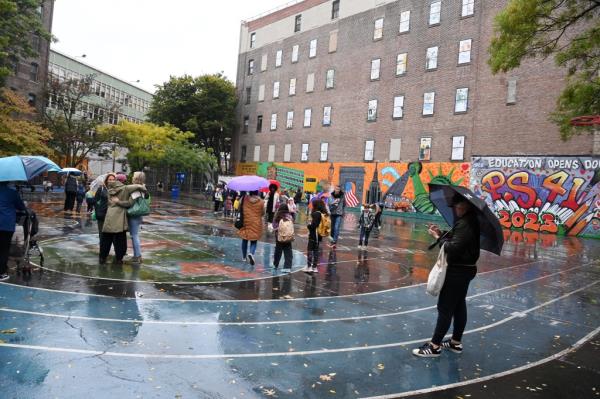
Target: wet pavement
(194, 321)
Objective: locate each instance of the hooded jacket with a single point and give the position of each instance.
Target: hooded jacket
(253, 209)
(115, 220)
(462, 245)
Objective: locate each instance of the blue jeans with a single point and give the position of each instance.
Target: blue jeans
(134, 229)
(245, 247)
(336, 222)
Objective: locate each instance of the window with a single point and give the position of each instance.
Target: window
(292, 86)
(462, 95)
(333, 39)
(256, 153)
(307, 117)
(327, 115)
(304, 155)
(335, 9)
(31, 99)
(375, 64)
(259, 120)
(275, 90)
(246, 124)
(252, 39)
(464, 51)
(511, 91)
(261, 93)
(404, 21)
(425, 149)
(243, 154)
(36, 42)
(312, 49)
(428, 103)
(33, 72)
(467, 8)
(295, 50)
(271, 153)
(287, 153)
(289, 122)
(395, 149)
(250, 67)
(458, 148)
(273, 121)
(324, 149)
(378, 32)
(310, 83)
(372, 112)
(369, 150)
(263, 62)
(298, 23)
(248, 95)
(398, 107)
(278, 58)
(401, 64)
(431, 59)
(435, 9)
(329, 79)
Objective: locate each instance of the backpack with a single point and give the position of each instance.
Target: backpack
(285, 231)
(324, 228)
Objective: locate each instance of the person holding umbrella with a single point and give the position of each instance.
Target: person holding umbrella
(70, 192)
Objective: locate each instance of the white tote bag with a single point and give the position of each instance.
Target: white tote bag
(437, 275)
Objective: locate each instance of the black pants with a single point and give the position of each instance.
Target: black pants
(217, 206)
(119, 240)
(5, 240)
(452, 303)
(270, 215)
(78, 209)
(313, 252)
(286, 249)
(69, 200)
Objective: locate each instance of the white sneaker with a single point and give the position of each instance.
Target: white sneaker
(251, 259)
(359, 247)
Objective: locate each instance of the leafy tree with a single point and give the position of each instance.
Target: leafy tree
(19, 132)
(567, 29)
(204, 105)
(19, 19)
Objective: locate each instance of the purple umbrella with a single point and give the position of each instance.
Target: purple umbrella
(247, 183)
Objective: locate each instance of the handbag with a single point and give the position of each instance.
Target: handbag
(239, 221)
(437, 275)
(140, 207)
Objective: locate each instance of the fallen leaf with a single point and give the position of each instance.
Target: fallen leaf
(9, 331)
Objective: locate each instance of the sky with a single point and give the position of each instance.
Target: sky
(150, 40)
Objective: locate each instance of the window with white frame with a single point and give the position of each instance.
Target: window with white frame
(425, 149)
(295, 51)
(250, 67)
(369, 150)
(431, 58)
(398, 107)
(261, 93)
(401, 64)
(329, 79)
(307, 117)
(511, 91)
(378, 32)
(324, 150)
(271, 153)
(263, 62)
(333, 39)
(273, 121)
(256, 153)
(375, 65)
(372, 112)
(252, 39)
(428, 103)
(435, 9)
(404, 21)
(462, 96)
(468, 8)
(289, 122)
(312, 49)
(287, 152)
(310, 83)
(275, 89)
(304, 153)
(278, 58)
(327, 115)
(458, 148)
(395, 145)
(292, 86)
(464, 51)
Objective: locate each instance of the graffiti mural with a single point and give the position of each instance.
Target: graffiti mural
(559, 195)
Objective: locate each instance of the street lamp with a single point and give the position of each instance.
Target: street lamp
(331, 171)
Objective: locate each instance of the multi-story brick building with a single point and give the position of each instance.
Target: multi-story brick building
(329, 89)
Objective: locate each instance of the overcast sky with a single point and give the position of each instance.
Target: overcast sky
(150, 40)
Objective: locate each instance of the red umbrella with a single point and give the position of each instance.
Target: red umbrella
(271, 181)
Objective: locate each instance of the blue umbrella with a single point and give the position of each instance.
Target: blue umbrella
(247, 183)
(25, 167)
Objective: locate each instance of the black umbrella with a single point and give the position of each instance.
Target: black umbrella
(443, 196)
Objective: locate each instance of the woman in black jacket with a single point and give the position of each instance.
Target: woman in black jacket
(101, 200)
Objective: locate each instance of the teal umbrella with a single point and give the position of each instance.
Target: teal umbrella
(25, 167)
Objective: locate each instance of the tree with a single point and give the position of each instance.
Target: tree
(19, 19)
(567, 29)
(204, 105)
(73, 118)
(19, 133)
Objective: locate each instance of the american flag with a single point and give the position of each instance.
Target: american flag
(349, 196)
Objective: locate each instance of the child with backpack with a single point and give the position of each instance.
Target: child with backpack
(90, 201)
(283, 226)
(317, 226)
(366, 222)
(227, 209)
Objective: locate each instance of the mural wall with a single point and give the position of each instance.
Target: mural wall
(541, 194)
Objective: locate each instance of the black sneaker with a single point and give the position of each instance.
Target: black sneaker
(251, 259)
(427, 350)
(448, 344)
(4, 277)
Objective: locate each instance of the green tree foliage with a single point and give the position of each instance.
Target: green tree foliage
(19, 20)
(204, 105)
(567, 29)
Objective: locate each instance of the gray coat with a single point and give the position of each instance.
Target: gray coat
(337, 205)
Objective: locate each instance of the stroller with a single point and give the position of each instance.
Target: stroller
(28, 219)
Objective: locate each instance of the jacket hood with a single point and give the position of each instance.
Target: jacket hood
(114, 187)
